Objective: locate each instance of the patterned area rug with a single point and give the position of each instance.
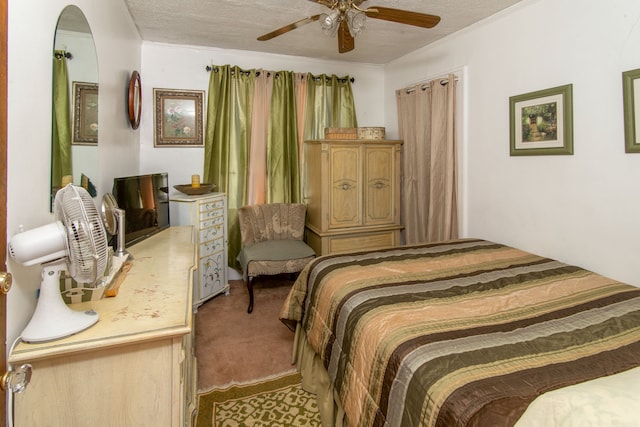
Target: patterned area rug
(274, 402)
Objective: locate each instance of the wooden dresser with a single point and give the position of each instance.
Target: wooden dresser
(136, 366)
(352, 192)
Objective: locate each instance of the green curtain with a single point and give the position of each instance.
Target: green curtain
(329, 104)
(227, 141)
(283, 176)
(61, 138)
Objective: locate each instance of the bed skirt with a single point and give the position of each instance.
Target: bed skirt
(315, 379)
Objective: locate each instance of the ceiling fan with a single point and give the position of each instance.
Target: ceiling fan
(347, 19)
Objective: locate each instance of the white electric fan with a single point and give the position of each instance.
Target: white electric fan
(76, 242)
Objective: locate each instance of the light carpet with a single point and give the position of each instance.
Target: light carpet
(234, 347)
(245, 374)
(275, 402)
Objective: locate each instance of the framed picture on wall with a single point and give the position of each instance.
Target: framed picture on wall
(85, 113)
(178, 116)
(541, 122)
(631, 99)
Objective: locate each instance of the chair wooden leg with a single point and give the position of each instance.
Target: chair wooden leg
(250, 289)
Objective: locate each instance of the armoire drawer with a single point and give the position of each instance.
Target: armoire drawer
(350, 242)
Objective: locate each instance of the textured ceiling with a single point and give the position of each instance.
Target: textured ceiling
(236, 24)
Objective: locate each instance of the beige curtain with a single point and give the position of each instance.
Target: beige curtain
(426, 121)
(259, 129)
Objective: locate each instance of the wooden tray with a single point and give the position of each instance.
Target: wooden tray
(195, 191)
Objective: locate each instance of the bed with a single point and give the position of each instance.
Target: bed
(464, 333)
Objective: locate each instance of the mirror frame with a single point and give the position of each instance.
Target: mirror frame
(72, 20)
(135, 100)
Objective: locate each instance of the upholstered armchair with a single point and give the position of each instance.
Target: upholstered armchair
(272, 241)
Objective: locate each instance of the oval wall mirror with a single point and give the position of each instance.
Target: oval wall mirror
(74, 135)
(135, 99)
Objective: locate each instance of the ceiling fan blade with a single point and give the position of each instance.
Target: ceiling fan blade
(403, 16)
(345, 39)
(288, 28)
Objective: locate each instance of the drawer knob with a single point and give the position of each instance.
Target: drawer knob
(16, 380)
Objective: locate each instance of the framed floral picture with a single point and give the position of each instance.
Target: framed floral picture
(541, 123)
(85, 113)
(178, 116)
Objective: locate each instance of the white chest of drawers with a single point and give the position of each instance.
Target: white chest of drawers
(208, 216)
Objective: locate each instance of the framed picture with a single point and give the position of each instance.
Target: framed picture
(85, 113)
(631, 99)
(541, 123)
(178, 117)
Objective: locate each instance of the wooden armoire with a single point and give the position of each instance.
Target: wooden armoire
(352, 192)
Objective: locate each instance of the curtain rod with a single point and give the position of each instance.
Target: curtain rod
(424, 86)
(210, 68)
(457, 72)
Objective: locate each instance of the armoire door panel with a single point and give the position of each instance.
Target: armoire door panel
(379, 177)
(346, 188)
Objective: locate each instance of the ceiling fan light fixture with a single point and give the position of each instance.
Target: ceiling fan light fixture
(346, 19)
(356, 20)
(329, 22)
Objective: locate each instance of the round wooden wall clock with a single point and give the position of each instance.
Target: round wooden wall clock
(135, 99)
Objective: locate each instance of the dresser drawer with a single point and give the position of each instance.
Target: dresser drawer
(211, 233)
(212, 205)
(210, 247)
(212, 221)
(206, 215)
(212, 271)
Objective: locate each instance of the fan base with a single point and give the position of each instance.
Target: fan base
(63, 326)
(53, 319)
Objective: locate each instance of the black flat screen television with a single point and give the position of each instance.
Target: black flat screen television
(145, 200)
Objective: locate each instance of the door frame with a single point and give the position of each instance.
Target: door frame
(3, 191)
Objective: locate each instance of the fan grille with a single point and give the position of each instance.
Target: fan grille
(86, 237)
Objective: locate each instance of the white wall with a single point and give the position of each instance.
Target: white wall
(183, 67)
(582, 209)
(31, 29)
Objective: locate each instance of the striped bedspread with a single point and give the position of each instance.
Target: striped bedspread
(459, 333)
